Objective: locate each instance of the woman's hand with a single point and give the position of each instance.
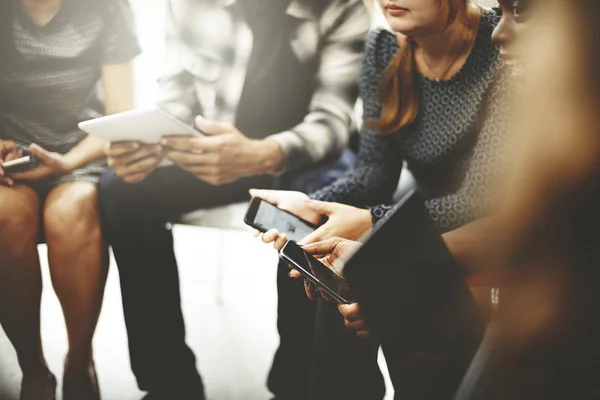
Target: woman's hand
(296, 203)
(8, 151)
(51, 164)
(354, 319)
(333, 253)
(133, 161)
(342, 221)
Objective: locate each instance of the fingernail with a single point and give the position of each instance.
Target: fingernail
(135, 146)
(164, 142)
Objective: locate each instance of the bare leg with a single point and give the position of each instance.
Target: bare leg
(21, 286)
(78, 259)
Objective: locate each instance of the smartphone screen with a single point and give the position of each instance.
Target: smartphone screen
(268, 216)
(319, 274)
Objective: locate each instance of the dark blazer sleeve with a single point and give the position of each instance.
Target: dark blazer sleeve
(417, 303)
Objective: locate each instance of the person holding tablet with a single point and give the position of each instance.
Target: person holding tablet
(54, 54)
(275, 83)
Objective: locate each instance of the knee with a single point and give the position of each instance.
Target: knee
(72, 215)
(19, 220)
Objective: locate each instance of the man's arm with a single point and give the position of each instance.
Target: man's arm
(176, 93)
(325, 131)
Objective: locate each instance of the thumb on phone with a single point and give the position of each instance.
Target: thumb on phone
(42, 154)
(321, 207)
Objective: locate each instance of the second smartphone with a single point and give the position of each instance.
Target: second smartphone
(315, 271)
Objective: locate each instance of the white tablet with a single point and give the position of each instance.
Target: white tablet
(147, 126)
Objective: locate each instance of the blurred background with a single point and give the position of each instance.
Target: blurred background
(227, 286)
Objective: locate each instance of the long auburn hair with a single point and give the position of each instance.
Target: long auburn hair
(399, 88)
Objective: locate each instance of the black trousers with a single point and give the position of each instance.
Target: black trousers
(316, 357)
(134, 221)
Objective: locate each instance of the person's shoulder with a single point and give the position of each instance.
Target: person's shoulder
(380, 47)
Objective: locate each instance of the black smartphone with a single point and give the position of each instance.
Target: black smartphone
(21, 164)
(312, 269)
(264, 216)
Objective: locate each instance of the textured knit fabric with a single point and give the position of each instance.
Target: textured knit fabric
(451, 149)
(53, 83)
(213, 44)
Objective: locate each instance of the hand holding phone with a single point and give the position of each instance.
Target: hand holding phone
(21, 164)
(265, 216)
(325, 279)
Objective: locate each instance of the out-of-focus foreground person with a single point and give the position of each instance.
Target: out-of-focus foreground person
(57, 57)
(546, 345)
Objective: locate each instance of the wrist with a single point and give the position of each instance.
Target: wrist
(367, 219)
(271, 156)
(68, 163)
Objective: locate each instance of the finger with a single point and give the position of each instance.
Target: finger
(270, 236)
(351, 312)
(132, 158)
(319, 235)
(117, 149)
(356, 325)
(13, 155)
(42, 154)
(6, 181)
(320, 247)
(256, 232)
(31, 175)
(270, 196)
(213, 127)
(136, 178)
(179, 143)
(189, 159)
(193, 144)
(294, 273)
(7, 146)
(365, 334)
(280, 242)
(322, 207)
(144, 166)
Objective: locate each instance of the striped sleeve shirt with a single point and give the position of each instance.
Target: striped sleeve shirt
(209, 45)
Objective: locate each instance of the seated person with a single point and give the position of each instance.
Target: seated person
(55, 55)
(411, 86)
(275, 83)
